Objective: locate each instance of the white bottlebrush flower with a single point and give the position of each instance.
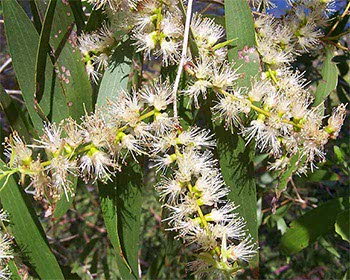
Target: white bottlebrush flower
(254, 130)
(245, 250)
(145, 42)
(228, 108)
(4, 216)
(163, 124)
(272, 55)
(124, 110)
(114, 5)
(6, 251)
(93, 74)
(40, 181)
(5, 273)
(280, 163)
(73, 131)
(308, 36)
(157, 94)
(162, 163)
(235, 228)
(51, 140)
(225, 213)
(336, 121)
(192, 163)
(164, 143)
(268, 140)
(169, 190)
(211, 188)
(197, 137)
(224, 76)
(132, 144)
(99, 41)
(206, 33)
(17, 151)
(98, 166)
(96, 130)
(205, 240)
(60, 168)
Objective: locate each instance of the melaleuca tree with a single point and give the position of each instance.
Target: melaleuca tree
(157, 119)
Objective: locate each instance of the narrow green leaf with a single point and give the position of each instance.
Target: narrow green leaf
(22, 40)
(27, 230)
(15, 116)
(329, 77)
(79, 14)
(116, 76)
(14, 270)
(107, 194)
(121, 199)
(69, 63)
(43, 51)
(95, 20)
(121, 207)
(236, 159)
(342, 225)
(240, 26)
(313, 224)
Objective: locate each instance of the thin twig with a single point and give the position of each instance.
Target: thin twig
(6, 63)
(183, 55)
(13, 91)
(339, 20)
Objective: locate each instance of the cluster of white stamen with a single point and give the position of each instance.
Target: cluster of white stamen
(97, 47)
(158, 30)
(195, 197)
(6, 251)
(95, 149)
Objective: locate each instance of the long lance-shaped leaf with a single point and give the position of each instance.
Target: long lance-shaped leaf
(27, 230)
(69, 62)
(121, 207)
(329, 77)
(23, 39)
(71, 72)
(121, 199)
(236, 159)
(43, 51)
(15, 117)
(313, 224)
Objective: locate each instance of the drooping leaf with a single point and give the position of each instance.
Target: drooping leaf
(43, 51)
(16, 118)
(14, 270)
(121, 199)
(69, 63)
(342, 225)
(121, 207)
(23, 39)
(116, 75)
(329, 77)
(236, 158)
(240, 26)
(27, 230)
(315, 223)
(79, 15)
